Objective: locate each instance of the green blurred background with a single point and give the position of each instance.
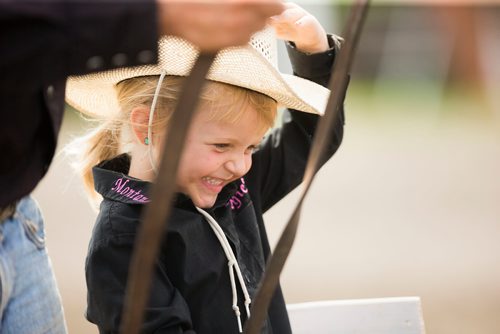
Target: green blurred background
(409, 206)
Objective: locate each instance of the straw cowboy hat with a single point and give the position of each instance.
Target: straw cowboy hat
(253, 66)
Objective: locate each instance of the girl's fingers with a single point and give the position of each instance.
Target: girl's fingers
(306, 21)
(289, 16)
(303, 25)
(290, 5)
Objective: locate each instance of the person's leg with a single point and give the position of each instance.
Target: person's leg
(29, 299)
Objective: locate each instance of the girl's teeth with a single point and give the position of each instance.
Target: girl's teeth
(212, 181)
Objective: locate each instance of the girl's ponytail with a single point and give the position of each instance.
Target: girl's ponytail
(102, 143)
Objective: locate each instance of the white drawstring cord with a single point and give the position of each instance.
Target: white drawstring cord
(236, 309)
(150, 122)
(232, 264)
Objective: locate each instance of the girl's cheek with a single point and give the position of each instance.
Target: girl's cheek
(212, 159)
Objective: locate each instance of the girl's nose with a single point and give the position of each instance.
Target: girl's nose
(237, 166)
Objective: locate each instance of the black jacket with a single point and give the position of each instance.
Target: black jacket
(191, 290)
(42, 42)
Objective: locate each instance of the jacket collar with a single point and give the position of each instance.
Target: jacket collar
(112, 182)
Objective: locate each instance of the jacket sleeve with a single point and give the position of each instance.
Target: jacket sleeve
(279, 165)
(61, 38)
(106, 274)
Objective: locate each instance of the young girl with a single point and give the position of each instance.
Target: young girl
(228, 176)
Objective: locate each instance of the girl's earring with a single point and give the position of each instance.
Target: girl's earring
(146, 141)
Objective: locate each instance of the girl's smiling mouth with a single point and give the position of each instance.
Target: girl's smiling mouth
(214, 184)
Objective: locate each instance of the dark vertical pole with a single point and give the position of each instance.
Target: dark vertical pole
(337, 85)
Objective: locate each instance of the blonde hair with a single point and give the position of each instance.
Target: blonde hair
(109, 139)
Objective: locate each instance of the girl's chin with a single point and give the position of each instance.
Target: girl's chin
(205, 202)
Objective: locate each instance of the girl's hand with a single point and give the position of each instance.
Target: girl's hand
(297, 25)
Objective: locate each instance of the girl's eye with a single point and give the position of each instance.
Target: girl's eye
(221, 147)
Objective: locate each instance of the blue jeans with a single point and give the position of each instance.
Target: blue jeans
(29, 298)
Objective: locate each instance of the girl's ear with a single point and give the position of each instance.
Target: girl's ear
(139, 118)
